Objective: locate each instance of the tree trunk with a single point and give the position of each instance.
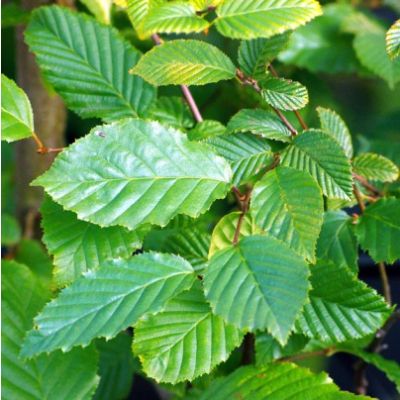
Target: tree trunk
(50, 122)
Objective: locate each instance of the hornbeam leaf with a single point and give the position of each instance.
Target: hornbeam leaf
(341, 307)
(101, 9)
(255, 55)
(206, 129)
(184, 62)
(288, 204)
(321, 155)
(104, 302)
(251, 285)
(45, 376)
(378, 230)
(389, 367)
(185, 340)
(370, 48)
(85, 72)
(16, 112)
(393, 40)
(283, 381)
(259, 122)
(78, 246)
(191, 244)
(284, 94)
(224, 232)
(263, 18)
(138, 9)
(246, 153)
(134, 172)
(173, 17)
(333, 124)
(337, 241)
(375, 167)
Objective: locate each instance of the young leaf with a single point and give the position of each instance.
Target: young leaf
(288, 204)
(206, 129)
(104, 302)
(251, 285)
(255, 55)
(136, 172)
(184, 62)
(224, 232)
(185, 340)
(267, 349)
(172, 111)
(137, 11)
(283, 381)
(393, 40)
(85, 72)
(173, 17)
(101, 9)
(332, 123)
(375, 167)
(79, 246)
(378, 230)
(246, 153)
(370, 48)
(337, 241)
(263, 18)
(389, 367)
(341, 307)
(16, 112)
(45, 376)
(321, 155)
(192, 245)
(284, 94)
(259, 122)
(116, 368)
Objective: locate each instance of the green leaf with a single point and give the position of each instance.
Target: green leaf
(393, 40)
(255, 55)
(224, 232)
(79, 246)
(116, 368)
(370, 48)
(45, 376)
(284, 94)
(201, 5)
(375, 167)
(137, 11)
(90, 81)
(288, 204)
(190, 243)
(104, 302)
(332, 123)
(101, 9)
(263, 18)
(172, 111)
(184, 62)
(341, 307)
(247, 154)
(173, 17)
(268, 349)
(259, 122)
(321, 155)
(283, 381)
(206, 129)
(389, 367)
(136, 172)
(378, 230)
(16, 112)
(185, 340)
(251, 285)
(10, 230)
(337, 241)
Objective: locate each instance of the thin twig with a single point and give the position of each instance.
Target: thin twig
(358, 196)
(367, 185)
(385, 283)
(185, 90)
(254, 84)
(244, 205)
(301, 356)
(42, 149)
(296, 113)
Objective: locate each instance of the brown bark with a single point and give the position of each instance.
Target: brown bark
(50, 121)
